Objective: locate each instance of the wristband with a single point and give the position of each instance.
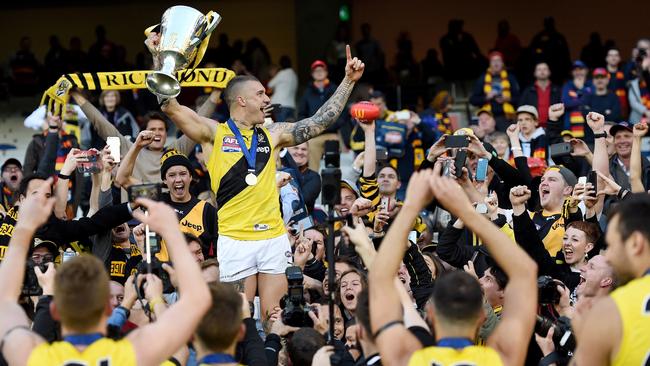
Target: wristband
(551, 358)
(386, 326)
(515, 148)
(155, 301)
(63, 176)
(126, 311)
(621, 193)
(600, 135)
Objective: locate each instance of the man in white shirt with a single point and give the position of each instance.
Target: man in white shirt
(284, 85)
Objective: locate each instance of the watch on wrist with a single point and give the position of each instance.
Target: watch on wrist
(599, 135)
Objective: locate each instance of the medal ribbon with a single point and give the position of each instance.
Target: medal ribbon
(251, 154)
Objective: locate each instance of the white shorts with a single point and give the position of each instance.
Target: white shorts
(242, 258)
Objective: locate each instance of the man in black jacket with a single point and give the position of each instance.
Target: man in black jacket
(542, 94)
(60, 231)
(316, 94)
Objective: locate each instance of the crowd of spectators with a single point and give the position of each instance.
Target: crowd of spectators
(436, 240)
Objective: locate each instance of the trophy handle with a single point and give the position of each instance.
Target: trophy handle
(210, 26)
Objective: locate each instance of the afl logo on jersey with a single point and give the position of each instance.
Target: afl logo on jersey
(230, 144)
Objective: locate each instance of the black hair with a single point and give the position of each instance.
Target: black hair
(457, 297)
(191, 237)
(497, 272)
(633, 213)
(384, 165)
(376, 94)
(362, 313)
(230, 93)
(302, 346)
(285, 62)
(22, 188)
(158, 116)
(350, 261)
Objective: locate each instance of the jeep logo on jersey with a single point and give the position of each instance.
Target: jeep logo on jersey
(264, 149)
(192, 226)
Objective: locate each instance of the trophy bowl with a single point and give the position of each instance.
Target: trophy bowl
(182, 30)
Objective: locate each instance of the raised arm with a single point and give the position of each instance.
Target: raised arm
(511, 336)
(370, 149)
(600, 160)
(385, 306)
(200, 129)
(124, 177)
(103, 127)
(208, 107)
(62, 185)
(193, 302)
(291, 134)
(47, 164)
(18, 341)
(636, 168)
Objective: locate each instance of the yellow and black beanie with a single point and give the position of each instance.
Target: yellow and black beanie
(173, 158)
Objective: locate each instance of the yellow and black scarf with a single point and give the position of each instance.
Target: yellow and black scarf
(508, 109)
(56, 97)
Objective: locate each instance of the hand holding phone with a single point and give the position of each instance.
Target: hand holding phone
(114, 146)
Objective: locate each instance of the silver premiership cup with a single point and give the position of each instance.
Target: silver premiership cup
(182, 30)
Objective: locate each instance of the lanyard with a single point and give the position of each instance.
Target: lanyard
(251, 154)
(455, 343)
(213, 358)
(82, 339)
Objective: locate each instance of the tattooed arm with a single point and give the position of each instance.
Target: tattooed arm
(290, 134)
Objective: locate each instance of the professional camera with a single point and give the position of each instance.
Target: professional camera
(563, 337)
(30, 283)
(156, 269)
(331, 175)
(294, 307)
(547, 290)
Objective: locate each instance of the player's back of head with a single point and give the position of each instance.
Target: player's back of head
(303, 345)
(222, 324)
(81, 293)
(457, 299)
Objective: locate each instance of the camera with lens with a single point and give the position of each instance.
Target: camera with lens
(156, 269)
(563, 338)
(331, 175)
(295, 311)
(30, 283)
(547, 290)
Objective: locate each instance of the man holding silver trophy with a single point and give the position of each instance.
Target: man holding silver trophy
(253, 246)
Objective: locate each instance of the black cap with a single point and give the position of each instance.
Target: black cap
(11, 161)
(173, 158)
(620, 127)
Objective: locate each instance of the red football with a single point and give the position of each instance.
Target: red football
(364, 111)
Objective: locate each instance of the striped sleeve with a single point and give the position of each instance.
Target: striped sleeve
(369, 189)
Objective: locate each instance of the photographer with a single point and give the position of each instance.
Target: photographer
(196, 217)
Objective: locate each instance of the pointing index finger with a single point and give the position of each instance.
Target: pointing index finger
(348, 53)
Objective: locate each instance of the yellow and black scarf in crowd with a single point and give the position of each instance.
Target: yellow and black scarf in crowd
(444, 124)
(56, 97)
(508, 109)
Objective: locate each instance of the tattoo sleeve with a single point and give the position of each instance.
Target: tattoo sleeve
(296, 133)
